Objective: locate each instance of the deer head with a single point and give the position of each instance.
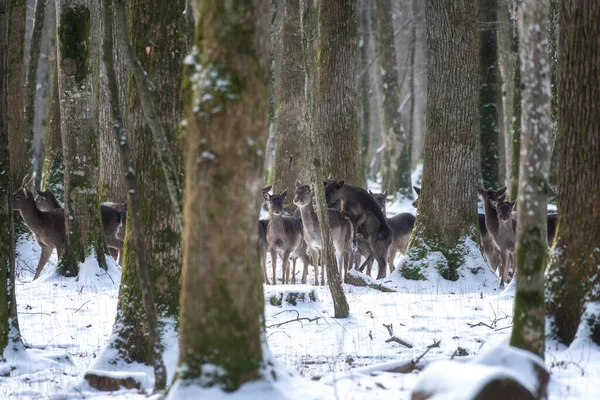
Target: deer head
(504, 209)
(276, 201)
(302, 195)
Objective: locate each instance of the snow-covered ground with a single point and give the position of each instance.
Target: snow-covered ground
(65, 324)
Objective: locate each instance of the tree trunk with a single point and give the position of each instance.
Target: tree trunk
(451, 157)
(573, 272)
(222, 304)
(337, 59)
(531, 251)
(79, 137)
(488, 89)
(364, 102)
(158, 39)
(10, 337)
(516, 108)
(19, 143)
(420, 91)
(553, 50)
(31, 87)
(374, 156)
(506, 63)
(396, 177)
(316, 20)
(53, 165)
(291, 144)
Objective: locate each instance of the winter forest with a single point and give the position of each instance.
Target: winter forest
(300, 199)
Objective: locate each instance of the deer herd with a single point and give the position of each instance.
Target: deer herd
(358, 222)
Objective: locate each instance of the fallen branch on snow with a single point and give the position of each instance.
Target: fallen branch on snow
(396, 339)
(297, 319)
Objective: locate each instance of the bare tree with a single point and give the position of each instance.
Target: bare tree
(531, 251)
(515, 138)
(504, 32)
(226, 108)
(451, 157)
(574, 279)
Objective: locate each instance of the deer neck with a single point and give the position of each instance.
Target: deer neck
(491, 218)
(31, 215)
(309, 217)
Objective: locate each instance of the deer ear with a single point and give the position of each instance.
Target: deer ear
(266, 188)
(25, 192)
(494, 203)
(501, 191)
(298, 183)
(371, 193)
(266, 196)
(482, 191)
(341, 183)
(385, 193)
(284, 193)
(417, 190)
(330, 176)
(39, 192)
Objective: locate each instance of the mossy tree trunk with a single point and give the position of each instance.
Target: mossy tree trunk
(447, 214)
(226, 108)
(19, 143)
(504, 34)
(364, 102)
(515, 138)
(420, 84)
(158, 34)
(397, 157)
(573, 271)
(488, 95)
(314, 33)
(85, 234)
(337, 60)
(531, 251)
(10, 337)
(291, 143)
(553, 50)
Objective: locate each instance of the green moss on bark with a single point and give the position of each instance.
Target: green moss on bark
(74, 41)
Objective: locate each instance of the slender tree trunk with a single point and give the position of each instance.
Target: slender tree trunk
(79, 137)
(337, 59)
(54, 166)
(364, 103)
(553, 50)
(10, 337)
(506, 63)
(396, 177)
(420, 91)
(158, 39)
(19, 143)
(451, 157)
(374, 156)
(573, 272)
(135, 215)
(291, 144)
(32, 72)
(531, 251)
(488, 89)
(516, 112)
(222, 331)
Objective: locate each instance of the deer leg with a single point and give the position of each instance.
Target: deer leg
(382, 267)
(263, 264)
(392, 257)
(46, 253)
(315, 257)
(501, 269)
(366, 263)
(293, 277)
(274, 265)
(286, 266)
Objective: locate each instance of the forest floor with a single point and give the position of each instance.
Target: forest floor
(65, 324)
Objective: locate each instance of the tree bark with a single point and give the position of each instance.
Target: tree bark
(158, 39)
(451, 157)
(531, 250)
(337, 59)
(226, 108)
(364, 102)
(10, 337)
(573, 271)
(488, 93)
(516, 108)
(19, 143)
(396, 176)
(420, 91)
(291, 143)
(79, 137)
(53, 164)
(506, 63)
(32, 71)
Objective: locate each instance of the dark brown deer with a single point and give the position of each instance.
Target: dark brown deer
(366, 217)
(284, 238)
(341, 230)
(111, 219)
(48, 227)
(401, 225)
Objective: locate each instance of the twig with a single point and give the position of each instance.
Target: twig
(500, 329)
(480, 324)
(295, 320)
(34, 313)
(81, 306)
(390, 329)
(399, 341)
